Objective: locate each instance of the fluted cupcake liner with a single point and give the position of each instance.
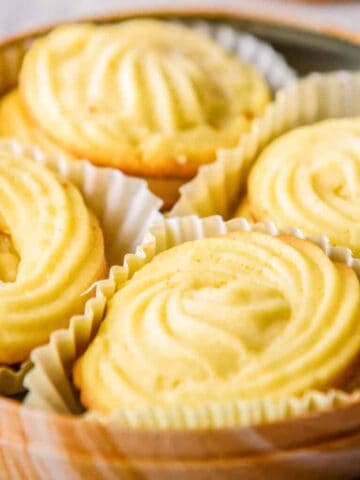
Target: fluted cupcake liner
(217, 188)
(50, 381)
(124, 206)
(241, 413)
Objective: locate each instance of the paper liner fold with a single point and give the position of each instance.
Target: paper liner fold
(217, 187)
(231, 414)
(49, 382)
(11, 380)
(124, 206)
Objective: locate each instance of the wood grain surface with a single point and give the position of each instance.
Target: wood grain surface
(37, 445)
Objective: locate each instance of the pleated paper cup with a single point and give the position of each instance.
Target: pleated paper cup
(123, 205)
(217, 188)
(50, 381)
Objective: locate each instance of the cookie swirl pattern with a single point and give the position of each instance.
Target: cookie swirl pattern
(152, 98)
(233, 318)
(15, 122)
(59, 248)
(310, 178)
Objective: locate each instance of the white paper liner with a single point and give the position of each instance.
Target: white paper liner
(124, 206)
(49, 382)
(217, 187)
(229, 415)
(250, 49)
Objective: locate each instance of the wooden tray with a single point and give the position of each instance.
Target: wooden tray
(38, 445)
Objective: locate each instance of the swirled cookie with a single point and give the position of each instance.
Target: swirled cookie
(242, 316)
(310, 178)
(152, 98)
(16, 123)
(52, 247)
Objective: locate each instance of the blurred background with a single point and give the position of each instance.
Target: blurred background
(19, 15)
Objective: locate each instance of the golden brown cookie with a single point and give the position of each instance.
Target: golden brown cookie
(15, 122)
(310, 178)
(52, 250)
(151, 98)
(238, 317)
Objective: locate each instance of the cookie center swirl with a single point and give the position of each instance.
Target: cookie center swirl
(224, 318)
(210, 342)
(178, 93)
(311, 178)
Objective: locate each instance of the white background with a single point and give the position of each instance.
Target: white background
(19, 15)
